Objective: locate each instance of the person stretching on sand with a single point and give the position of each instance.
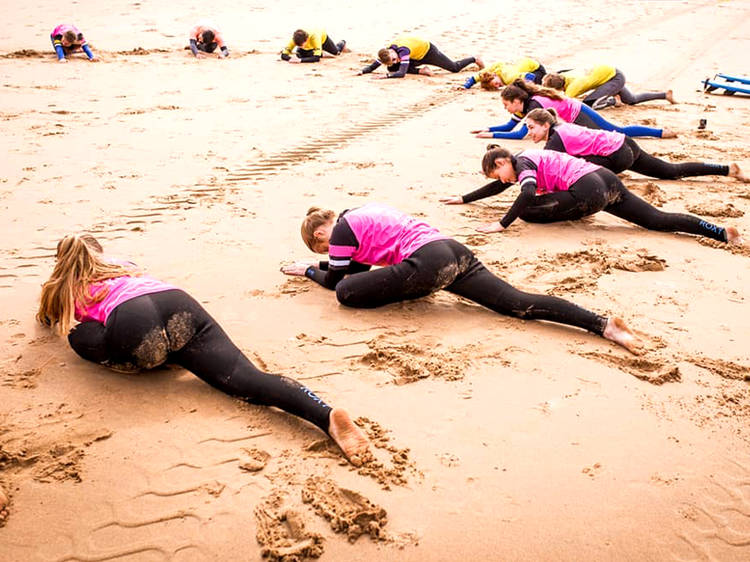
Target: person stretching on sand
(130, 321)
(521, 97)
(204, 39)
(67, 39)
(558, 187)
(607, 83)
(407, 54)
(309, 46)
(499, 74)
(417, 260)
(613, 150)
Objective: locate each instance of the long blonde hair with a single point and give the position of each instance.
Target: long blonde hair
(79, 263)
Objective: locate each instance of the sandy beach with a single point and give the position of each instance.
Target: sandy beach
(495, 438)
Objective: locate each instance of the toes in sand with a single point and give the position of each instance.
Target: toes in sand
(618, 332)
(348, 436)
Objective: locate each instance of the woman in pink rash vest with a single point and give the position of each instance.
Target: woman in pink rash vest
(558, 187)
(613, 150)
(418, 260)
(130, 321)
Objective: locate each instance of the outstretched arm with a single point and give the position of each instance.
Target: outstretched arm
(370, 67)
(492, 188)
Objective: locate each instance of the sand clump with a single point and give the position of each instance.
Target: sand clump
(282, 534)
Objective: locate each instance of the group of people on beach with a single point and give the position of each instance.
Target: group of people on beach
(130, 321)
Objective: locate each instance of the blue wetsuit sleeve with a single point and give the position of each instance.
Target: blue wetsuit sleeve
(87, 50)
(517, 134)
(194, 47)
(60, 52)
(470, 81)
(57, 45)
(509, 126)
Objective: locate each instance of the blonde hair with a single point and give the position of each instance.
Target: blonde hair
(494, 152)
(79, 263)
(543, 115)
(315, 218)
(486, 80)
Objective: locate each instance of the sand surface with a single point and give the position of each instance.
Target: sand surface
(495, 438)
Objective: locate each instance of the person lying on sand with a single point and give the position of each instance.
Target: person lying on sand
(129, 321)
(204, 39)
(417, 260)
(558, 187)
(308, 46)
(407, 55)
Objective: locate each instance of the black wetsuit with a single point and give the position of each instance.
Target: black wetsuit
(172, 327)
(596, 191)
(440, 264)
(630, 156)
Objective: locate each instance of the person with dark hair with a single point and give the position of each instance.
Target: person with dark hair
(558, 187)
(613, 150)
(521, 97)
(407, 55)
(605, 86)
(418, 260)
(204, 39)
(129, 321)
(67, 39)
(310, 45)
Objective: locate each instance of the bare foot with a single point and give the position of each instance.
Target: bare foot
(425, 71)
(618, 101)
(670, 96)
(479, 62)
(668, 134)
(347, 436)
(736, 173)
(618, 332)
(733, 236)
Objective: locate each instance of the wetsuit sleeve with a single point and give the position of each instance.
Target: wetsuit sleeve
(505, 132)
(194, 47)
(509, 126)
(492, 188)
(87, 50)
(314, 58)
(470, 81)
(554, 142)
(57, 44)
(404, 54)
(372, 66)
(288, 49)
(342, 245)
(526, 170)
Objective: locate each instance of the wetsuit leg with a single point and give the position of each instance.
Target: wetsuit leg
(553, 207)
(436, 58)
(630, 207)
(171, 326)
(620, 160)
(654, 167)
(432, 267)
(87, 340)
(330, 47)
(630, 98)
(591, 119)
(481, 286)
(611, 87)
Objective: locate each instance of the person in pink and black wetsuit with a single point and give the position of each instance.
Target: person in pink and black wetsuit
(418, 260)
(130, 321)
(558, 187)
(521, 97)
(613, 150)
(66, 39)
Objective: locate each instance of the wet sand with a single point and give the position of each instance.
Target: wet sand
(494, 438)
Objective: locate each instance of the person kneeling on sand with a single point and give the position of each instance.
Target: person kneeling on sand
(204, 39)
(129, 321)
(309, 46)
(67, 39)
